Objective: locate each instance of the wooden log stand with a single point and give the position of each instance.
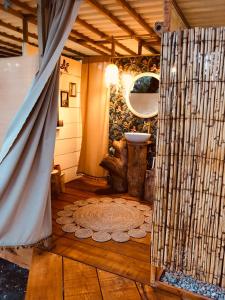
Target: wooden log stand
(117, 166)
(137, 165)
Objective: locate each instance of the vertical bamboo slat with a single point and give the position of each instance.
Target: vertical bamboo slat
(189, 213)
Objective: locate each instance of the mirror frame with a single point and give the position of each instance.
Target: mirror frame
(127, 98)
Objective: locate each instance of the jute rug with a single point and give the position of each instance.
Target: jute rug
(106, 218)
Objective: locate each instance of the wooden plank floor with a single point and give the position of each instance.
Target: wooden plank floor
(130, 259)
(54, 277)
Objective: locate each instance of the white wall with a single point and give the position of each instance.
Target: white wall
(68, 137)
(16, 75)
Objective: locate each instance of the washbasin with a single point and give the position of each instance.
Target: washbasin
(137, 137)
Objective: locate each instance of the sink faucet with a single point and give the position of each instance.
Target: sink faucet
(147, 125)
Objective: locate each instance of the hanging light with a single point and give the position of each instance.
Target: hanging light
(111, 75)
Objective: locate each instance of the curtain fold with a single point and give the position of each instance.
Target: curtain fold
(27, 152)
(95, 119)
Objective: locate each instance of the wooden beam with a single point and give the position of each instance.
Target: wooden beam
(167, 15)
(10, 51)
(102, 34)
(140, 48)
(180, 13)
(24, 6)
(89, 40)
(116, 21)
(25, 30)
(10, 45)
(132, 12)
(16, 29)
(75, 52)
(41, 15)
(113, 47)
(11, 37)
(73, 39)
(15, 13)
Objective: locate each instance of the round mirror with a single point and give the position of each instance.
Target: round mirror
(143, 96)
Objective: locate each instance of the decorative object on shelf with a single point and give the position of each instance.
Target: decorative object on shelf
(72, 89)
(64, 98)
(64, 66)
(106, 218)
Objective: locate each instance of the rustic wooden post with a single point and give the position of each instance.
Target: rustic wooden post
(117, 166)
(137, 165)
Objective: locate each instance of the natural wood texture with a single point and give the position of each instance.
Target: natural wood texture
(103, 35)
(119, 23)
(138, 18)
(83, 282)
(149, 190)
(117, 166)
(80, 281)
(180, 13)
(189, 209)
(116, 287)
(137, 165)
(46, 278)
(21, 257)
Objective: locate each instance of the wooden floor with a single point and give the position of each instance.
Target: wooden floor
(75, 269)
(55, 277)
(130, 259)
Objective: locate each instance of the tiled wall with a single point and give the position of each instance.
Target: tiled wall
(68, 137)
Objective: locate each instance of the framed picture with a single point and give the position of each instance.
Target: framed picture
(72, 89)
(64, 97)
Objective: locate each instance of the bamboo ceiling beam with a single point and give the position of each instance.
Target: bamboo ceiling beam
(119, 23)
(103, 35)
(180, 13)
(132, 12)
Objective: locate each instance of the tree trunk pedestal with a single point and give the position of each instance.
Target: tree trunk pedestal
(137, 165)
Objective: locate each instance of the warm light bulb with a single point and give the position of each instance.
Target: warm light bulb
(111, 75)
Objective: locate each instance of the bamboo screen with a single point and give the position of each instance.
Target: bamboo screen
(189, 212)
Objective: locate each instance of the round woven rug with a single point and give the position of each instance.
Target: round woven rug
(106, 218)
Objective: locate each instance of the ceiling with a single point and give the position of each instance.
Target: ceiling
(128, 25)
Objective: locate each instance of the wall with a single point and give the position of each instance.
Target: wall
(121, 119)
(68, 137)
(16, 74)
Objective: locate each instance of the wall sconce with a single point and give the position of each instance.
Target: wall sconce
(111, 75)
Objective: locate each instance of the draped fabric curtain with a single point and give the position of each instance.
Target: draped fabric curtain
(189, 212)
(27, 152)
(95, 119)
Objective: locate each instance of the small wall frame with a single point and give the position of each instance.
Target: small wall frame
(72, 89)
(64, 98)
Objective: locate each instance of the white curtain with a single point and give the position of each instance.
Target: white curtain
(27, 152)
(95, 119)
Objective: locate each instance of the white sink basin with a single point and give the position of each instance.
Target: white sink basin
(137, 137)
